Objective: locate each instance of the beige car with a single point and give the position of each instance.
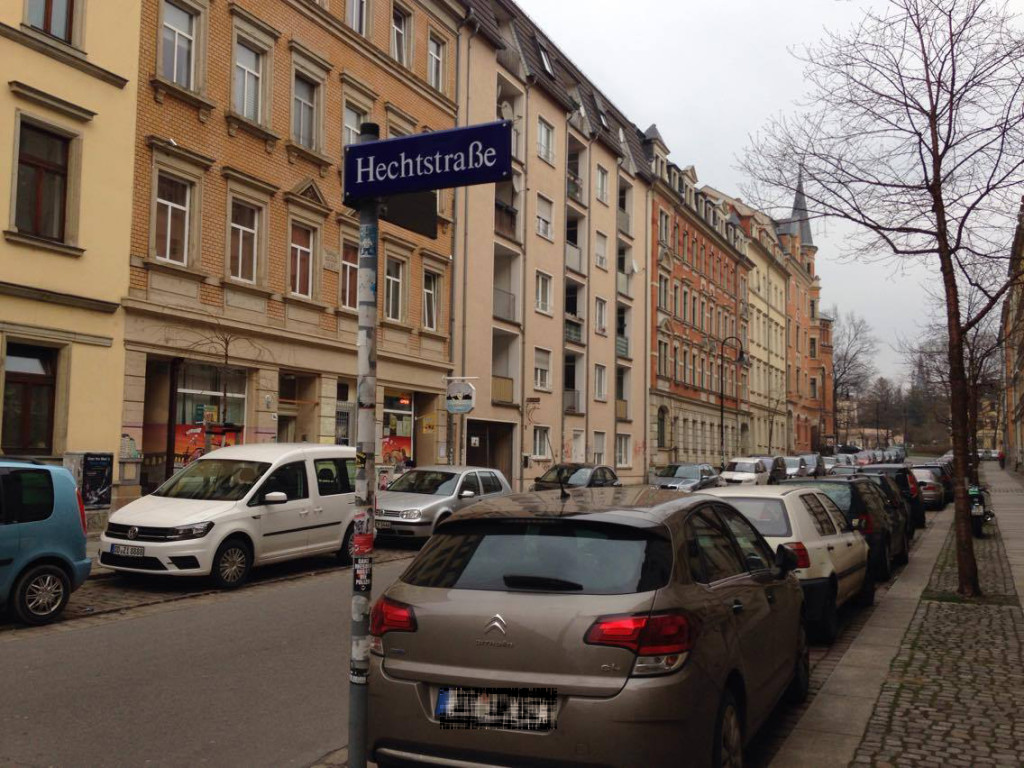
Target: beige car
(625, 627)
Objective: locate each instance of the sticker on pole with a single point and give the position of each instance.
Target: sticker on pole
(460, 397)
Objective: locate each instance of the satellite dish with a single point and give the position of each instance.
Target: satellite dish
(506, 111)
(517, 183)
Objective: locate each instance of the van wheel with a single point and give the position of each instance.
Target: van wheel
(345, 553)
(728, 743)
(231, 564)
(41, 594)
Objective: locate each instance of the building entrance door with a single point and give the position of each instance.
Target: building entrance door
(490, 444)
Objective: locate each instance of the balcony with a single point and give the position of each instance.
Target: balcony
(574, 331)
(571, 401)
(574, 258)
(574, 186)
(508, 57)
(505, 305)
(622, 410)
(622, 284)
(502, 390)
(624, 222)
(506, 220)
(621, 346)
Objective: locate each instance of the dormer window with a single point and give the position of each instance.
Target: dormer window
(546, 61)
(603, 119)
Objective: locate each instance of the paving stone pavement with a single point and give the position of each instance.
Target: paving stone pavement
(954, 695)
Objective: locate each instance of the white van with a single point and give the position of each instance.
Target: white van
(235, 508)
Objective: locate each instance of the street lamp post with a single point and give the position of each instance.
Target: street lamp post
(721, 388)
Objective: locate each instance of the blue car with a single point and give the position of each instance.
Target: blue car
(42, 540)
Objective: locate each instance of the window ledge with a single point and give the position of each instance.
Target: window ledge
(61, 51)
(399, 324)
(241, 285)
(237, 121)
(169, 267)
(19, 238)
(296, 150)
(164, 87)
(434, 334)
(352, 312)
(291, 298)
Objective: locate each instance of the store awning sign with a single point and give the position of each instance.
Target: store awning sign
(460, 397)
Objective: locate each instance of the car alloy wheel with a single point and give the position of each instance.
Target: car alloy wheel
(41, 594)
(44, 594)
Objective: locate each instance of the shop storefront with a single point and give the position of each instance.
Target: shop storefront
(397, 448)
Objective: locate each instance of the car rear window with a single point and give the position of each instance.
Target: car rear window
(768, 516)
(543, 556)
(840, 493)
(27, 495)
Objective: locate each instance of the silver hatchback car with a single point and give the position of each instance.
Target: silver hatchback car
(421, 498)
(621, 627)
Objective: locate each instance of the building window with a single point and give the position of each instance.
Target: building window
(540, 442)
(400, 36)
(662, 358)
(600, 315)
(431, 286)
(599, 447)
(663, 427)
(602, 184)
(545, 214)
(545, 140)
(662, 292)
(177, 62)
(435, 63)
(546, 61)
(172, 218)
(248, 73)
(54, 17)
(814, 388)
(30, 376)
(356, 15)
(304, 112)
(543, 292)
(349, 274)
(41, 205)
(663, 226)
(541, 369)
(301, 263)
(601, 250)
(353, 119)
(623, 452)
(600, 382)
(814, 347)
(393, 277)
(244, 241)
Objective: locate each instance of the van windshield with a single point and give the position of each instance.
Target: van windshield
(741, 466)
(214, 480)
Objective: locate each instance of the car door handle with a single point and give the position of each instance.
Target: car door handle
(831, 548)
(303, 512)
(318, 509)
(849, 543)
(737, 606)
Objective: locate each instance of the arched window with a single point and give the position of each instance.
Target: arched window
(663, 427)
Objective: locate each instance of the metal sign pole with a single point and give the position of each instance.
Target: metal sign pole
(365, 491)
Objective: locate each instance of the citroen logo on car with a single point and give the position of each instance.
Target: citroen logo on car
(133, 532)
(497, 623)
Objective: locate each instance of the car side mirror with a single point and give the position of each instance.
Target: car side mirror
(785, 560)
(466, 494)
(858, 524)
(275, 497)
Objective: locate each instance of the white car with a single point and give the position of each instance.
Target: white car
(235, 508)
(832, 556)
(745, 471)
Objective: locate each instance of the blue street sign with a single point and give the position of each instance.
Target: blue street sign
(459, 157)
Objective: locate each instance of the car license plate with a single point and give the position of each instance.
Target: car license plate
(977, 510)
(127, 550)
(381, 523)
(514, 709)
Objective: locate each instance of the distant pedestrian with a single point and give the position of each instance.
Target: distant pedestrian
(1002, 459)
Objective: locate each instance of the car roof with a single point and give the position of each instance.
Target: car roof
(453, 468)
(751, 491)
(885, 465)
(271, 452)
(749, 458)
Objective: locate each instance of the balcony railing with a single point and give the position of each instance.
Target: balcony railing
(505, 305)
(623, 283)
(574, 186)
(574, 257)
(571, 401)
(621, 410)
(502, 389)
(574, 331)
(622, 346)
(624, 222)
(506, 220)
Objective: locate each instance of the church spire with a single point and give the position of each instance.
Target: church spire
(800, 215)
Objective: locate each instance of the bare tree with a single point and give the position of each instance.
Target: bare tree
(914, 132)
(853, 352)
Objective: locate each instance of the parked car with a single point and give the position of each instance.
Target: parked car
(776, 468)
(908, 487)
(898, 505)
(631, 621)
(832, 556)
(42, 540)
(416, 502)
(932, 492)
(858, 499)
(746, 471)
(236, 508)
(864, 457)
(576, 475)
(815, 464)
(686, 477)
(830, 464)
(796, 466)
(844, 470)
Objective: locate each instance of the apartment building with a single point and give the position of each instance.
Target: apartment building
(1012, 321)
(549, 286)
(67, 113)
(241, 310)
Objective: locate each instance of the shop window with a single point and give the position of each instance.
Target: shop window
(396, 438)
(210, 410)
(29, 391)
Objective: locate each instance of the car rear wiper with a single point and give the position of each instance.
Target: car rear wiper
(522, 581)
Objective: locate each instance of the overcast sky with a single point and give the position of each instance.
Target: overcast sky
(710, 74)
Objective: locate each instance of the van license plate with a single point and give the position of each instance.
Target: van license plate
(514, 709)
(382, 523)
(127, 550)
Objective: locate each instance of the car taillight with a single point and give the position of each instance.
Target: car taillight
(81, 511)
(390, 615)
(661, 641)
(803, 559)
(913, 486)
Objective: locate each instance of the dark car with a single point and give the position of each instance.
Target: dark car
(815, 464)
(624, 627)
(776, 468)
(908, 487)
(576, 475)
(858, 498)
(897, 501)
(685, 477)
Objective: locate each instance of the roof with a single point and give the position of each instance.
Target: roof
(800, 218)
(273, 451)
(767, 491)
